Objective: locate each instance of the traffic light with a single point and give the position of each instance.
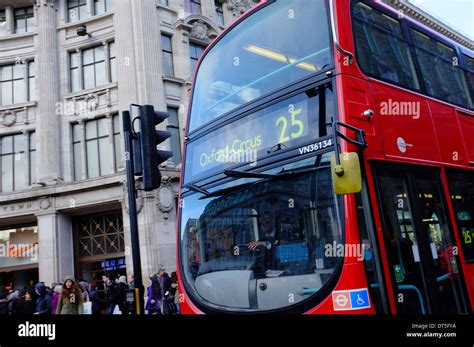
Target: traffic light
(151, 158)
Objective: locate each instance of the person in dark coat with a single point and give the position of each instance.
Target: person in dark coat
(3, 303)
(13, 298)
(123, 289)
(161, 284)
(95, 299)
(43, 303)
(111, 293)
(27, 303)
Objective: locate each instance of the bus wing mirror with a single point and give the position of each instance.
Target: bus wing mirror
(346, 176)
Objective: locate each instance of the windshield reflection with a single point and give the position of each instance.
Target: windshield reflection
(259, 245)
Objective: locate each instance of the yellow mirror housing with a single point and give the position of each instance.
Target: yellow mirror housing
(346, 177)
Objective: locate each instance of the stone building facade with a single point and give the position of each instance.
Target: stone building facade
(67, 70)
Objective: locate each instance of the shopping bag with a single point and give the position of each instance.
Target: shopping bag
(88, 307)
(117, 310)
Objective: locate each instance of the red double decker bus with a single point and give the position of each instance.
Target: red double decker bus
(329, 165)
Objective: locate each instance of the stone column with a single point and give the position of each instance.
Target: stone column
(107, 61)
(148, 65)
(125, 47)
(10, 20)
(48, 79)
(55, 242)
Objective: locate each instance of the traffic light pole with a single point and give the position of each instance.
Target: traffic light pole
(132, 210)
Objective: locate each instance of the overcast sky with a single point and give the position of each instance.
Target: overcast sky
(458, 14)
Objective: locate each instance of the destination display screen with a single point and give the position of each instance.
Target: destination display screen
(285, 124)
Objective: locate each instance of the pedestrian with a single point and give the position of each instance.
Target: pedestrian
(151, 302)
(13, 298)
(27, 303)
(161, 288)
(84, 286)
(70, 301)
(131, 281)
(111, 293)
(43, 302)
(55, 297)
(95, 299)
(122, 299)
(175, 291)
(3, 303)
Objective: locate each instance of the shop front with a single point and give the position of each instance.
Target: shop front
(19, 250)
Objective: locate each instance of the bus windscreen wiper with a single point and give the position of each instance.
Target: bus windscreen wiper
(196, 189)
(283, 173)
(243, 174)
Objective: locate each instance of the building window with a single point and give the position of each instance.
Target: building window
(13, 87)
(31, 81)
(93, 67)
(3, 23)
(173, 128)
(195, 51)
(167, 53)
(113, 62)
(164, 2)
(32, 157)
(77, 10)
(98, 149)
(118, 143)
(76, 145)
(24, 21)
(192, 6)
(219, 13)
(16, 153)
(382, 51)
(102, 6)
(469, 75)
(74, 72)
(91, 63)
(101, 149)
(443, 80)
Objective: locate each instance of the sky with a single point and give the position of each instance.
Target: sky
(458, 14)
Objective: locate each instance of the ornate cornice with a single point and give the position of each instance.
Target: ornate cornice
(424, 18)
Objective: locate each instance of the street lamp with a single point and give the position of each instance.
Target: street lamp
(82, 31)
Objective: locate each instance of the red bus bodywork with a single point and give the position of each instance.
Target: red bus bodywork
(442, 130)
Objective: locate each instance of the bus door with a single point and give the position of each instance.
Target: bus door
(421, 252)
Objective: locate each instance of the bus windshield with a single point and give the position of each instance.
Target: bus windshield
(281, 43)
(240, 248)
